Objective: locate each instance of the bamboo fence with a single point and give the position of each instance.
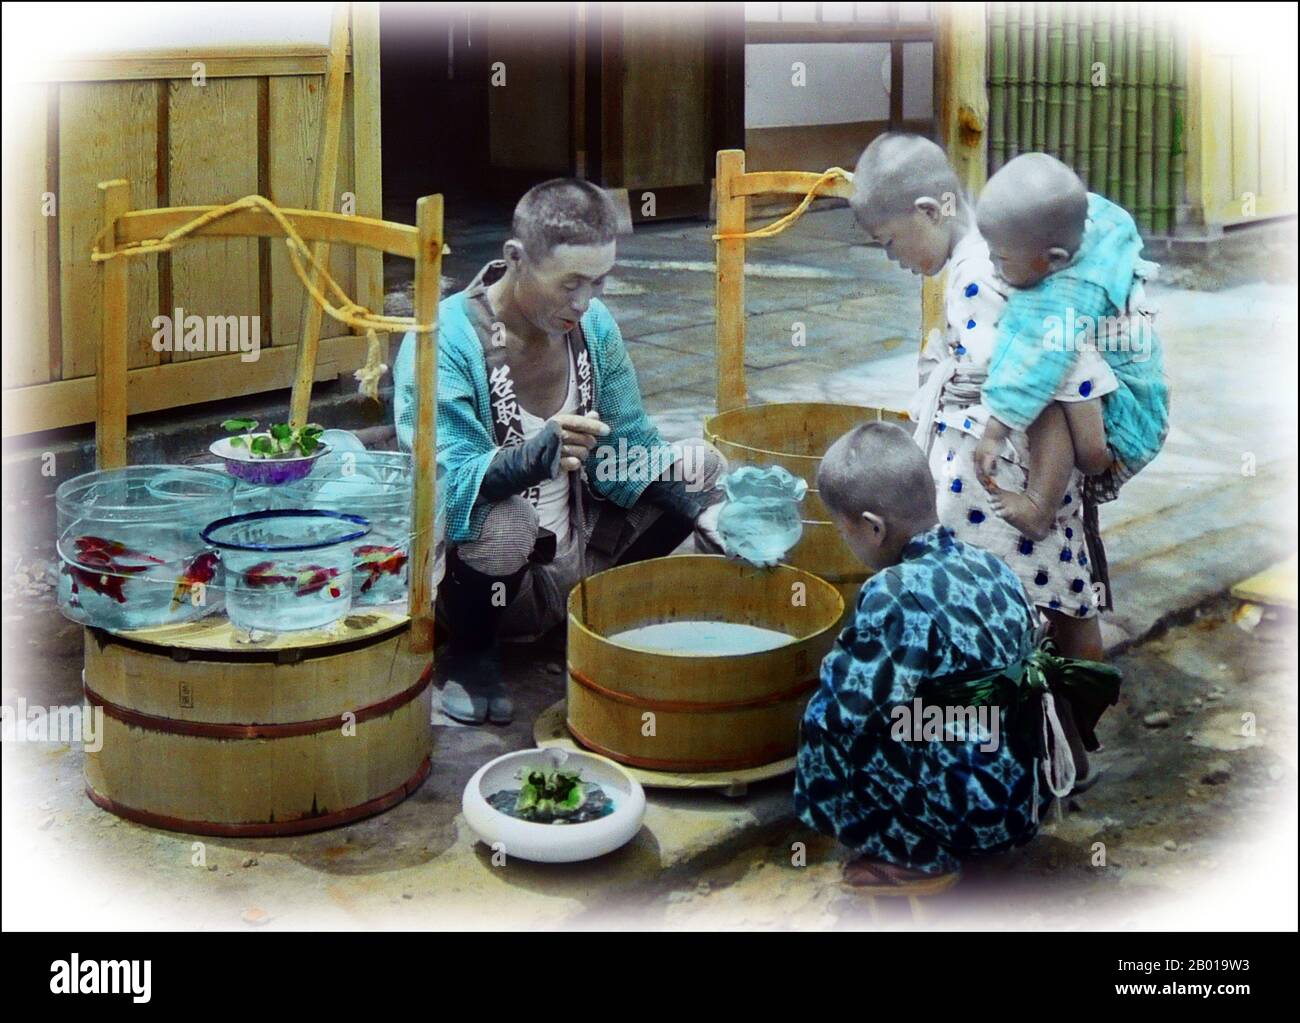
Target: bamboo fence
(1103, 88)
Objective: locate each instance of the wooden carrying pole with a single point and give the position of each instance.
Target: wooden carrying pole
(729, 289)
(733, 187)
(428, 274)
(110, 373)
(327, 166)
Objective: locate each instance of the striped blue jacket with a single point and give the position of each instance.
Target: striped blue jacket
(466, 441)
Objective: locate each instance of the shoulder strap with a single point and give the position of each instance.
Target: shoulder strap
(507, 420)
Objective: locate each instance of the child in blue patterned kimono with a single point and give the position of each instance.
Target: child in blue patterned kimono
(938, 613)
(1072, 261)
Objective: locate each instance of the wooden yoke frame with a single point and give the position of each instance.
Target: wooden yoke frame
(733, 187)
(423, 243)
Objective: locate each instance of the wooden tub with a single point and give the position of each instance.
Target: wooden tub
(687, 712)
(306, 731)
(795, 435)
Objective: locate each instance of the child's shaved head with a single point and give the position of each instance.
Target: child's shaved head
(1034, 200)
(878, 468)
(564, 211)
(893, 172)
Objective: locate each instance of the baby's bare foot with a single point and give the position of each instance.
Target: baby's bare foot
(1027, 512)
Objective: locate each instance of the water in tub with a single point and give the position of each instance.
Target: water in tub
(703, 638)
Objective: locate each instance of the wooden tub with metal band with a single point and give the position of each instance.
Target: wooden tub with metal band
(683, 712)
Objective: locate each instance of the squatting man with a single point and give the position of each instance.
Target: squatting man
(543, 443)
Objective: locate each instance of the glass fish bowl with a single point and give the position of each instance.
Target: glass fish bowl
(286, 569)
(130, 551)
(378, 486)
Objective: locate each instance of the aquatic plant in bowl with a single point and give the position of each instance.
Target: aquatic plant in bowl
(553, 805)
(281, 454)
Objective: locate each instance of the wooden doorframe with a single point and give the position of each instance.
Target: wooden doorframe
(596, 150)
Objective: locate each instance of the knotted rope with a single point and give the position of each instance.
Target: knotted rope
(347, 312)
(777, 226)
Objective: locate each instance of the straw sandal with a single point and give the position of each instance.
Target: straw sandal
(875, 878)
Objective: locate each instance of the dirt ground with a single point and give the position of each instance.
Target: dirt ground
(1190, 796)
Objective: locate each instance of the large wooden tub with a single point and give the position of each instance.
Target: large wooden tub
(795, 435)
(686, 712)
(205, 735)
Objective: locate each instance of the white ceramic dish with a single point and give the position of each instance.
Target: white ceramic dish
(554, 843)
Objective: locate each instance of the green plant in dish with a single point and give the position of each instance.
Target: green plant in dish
(281, 440)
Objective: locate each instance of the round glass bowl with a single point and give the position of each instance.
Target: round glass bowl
(130, 550)
(287, 570)
(378, 486)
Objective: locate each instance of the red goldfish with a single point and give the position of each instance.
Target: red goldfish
(311, 579)
(198, 572)
(100, 566)
(376, 561)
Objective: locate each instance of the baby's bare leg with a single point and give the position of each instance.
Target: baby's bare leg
(1088, 435)
(1051, 462)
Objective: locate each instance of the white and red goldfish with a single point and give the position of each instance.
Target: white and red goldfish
(376, 561)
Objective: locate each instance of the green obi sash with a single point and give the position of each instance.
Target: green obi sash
(1089, 687)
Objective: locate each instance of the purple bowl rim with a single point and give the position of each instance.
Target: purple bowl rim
(281, 513)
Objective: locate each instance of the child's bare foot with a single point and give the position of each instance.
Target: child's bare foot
(1026, 511)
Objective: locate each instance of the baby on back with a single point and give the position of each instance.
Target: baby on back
(1072, 261)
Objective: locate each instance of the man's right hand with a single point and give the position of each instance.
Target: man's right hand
(578, 437)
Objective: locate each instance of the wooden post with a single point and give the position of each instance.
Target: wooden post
(428, 275)
(327, 166)
(111, 368)
(962, 110)
(366, 146)
(729, 291)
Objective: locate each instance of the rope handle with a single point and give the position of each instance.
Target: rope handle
(778, 226)
(348, 312)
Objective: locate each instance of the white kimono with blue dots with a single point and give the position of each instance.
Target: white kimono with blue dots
(950, 421)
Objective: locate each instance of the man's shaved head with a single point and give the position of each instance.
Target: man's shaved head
(893, 172)
(564, 211)
(878, 468)
(1035, 200)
